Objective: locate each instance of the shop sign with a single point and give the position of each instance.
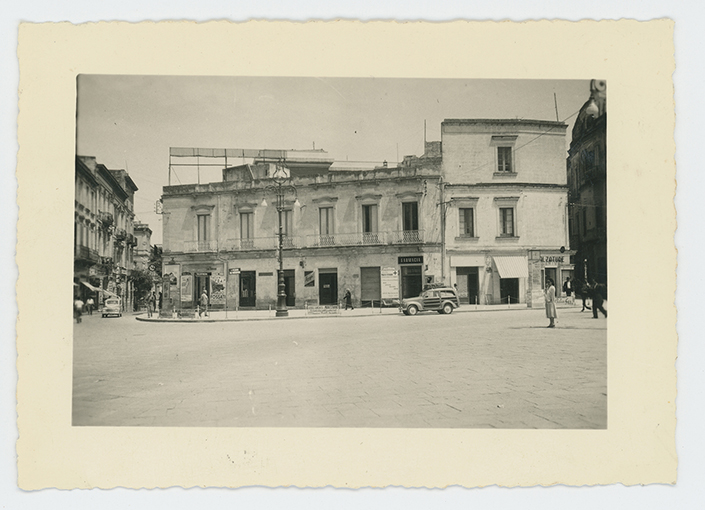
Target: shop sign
(203, 274)
(234, 271)
(389, 280)
(411, 260)
(552, 259)
(309, 279)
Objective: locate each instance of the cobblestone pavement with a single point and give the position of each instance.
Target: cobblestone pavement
(500, 369)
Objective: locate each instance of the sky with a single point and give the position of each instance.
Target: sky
(129, 122)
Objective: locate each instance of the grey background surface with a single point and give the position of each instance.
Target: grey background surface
(689, 240)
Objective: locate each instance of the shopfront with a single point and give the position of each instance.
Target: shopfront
(411, 275)
(555, 265)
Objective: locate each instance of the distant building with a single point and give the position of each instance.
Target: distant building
(103, 231)
(485, 209)
(143, 247)
(587, 180)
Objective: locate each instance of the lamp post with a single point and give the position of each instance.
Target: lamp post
(280, 177)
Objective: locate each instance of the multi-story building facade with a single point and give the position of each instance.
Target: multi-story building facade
(505, 202)
(341, 230)
(103, 231)
(484, 209)
(587, 180)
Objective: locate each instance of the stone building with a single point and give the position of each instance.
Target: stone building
(587, 180)
(505, 203)
(103, 231)
(485, 209)
(143, 246)
(374, 232)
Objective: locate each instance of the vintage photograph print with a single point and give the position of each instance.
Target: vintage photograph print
(340, 252)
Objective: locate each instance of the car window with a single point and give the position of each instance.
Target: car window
(448, 293)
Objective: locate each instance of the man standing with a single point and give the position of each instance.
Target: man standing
(584, 290)
(150, 304)
(597, 300)
(204, 304)
(568, 290)
(89, 305)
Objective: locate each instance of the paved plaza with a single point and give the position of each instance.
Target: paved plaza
(479, 369)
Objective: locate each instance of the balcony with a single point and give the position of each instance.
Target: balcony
(85, 254)
(366, 238)
(106, 220)
(200, 246)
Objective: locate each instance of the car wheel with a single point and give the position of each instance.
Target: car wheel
(447, 308)
(413, 310)
(103, 316)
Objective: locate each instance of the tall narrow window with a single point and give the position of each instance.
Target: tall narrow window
(504, 159)
(369, 224)
(247, 230)
(506, 215)
(467, 222)
(410, 215)
(327, 226)
(204, 224)
(287, 228)
(369, 218)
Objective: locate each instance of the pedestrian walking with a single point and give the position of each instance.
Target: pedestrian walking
(584, 292)
(204, 304)
(150, 304)
(597, 299)
(89, 305)
(550, 297)
(77, 310)
(348, 299)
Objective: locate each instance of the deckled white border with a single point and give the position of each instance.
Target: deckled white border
(638, 447)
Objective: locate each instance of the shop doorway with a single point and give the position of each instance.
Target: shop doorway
(509, 290)
(289, 287)
(203, 282)
(411, 281)
(370, 286)
(248, 292)
(468, 284)
(327, 288)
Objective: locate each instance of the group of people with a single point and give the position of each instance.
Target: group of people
(79, 307)
(592, 290)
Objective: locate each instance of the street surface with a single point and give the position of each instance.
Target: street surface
(486, 369)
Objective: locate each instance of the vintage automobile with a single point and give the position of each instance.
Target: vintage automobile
(112, 306)
(442, 300)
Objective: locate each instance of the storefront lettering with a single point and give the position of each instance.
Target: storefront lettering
(552, 258)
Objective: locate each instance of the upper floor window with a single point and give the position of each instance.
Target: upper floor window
(506, 218)
(369, 218)
(204, 225)
(467, 222)
(287, 222)
(326, 220)
(504, 159)
(504, 153)
(247, 225)
(410, 215)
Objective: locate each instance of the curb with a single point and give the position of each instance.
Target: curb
(467, 309)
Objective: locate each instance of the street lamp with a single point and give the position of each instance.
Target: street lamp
(280, 177)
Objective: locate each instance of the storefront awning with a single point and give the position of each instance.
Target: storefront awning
(512, 267)
(94, 289)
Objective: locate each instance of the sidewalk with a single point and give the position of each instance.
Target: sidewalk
(300, 313)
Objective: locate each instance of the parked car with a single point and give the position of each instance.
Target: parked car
(441, 300)
(112, 306)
